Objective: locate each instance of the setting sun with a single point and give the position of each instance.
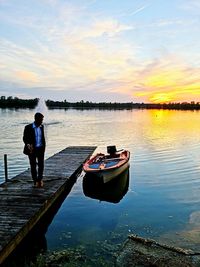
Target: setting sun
(161, 98)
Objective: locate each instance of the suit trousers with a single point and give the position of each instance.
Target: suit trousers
(36, 159)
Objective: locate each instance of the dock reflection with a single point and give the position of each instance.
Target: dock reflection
(112, 191)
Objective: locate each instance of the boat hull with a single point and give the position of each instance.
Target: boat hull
(108, 175)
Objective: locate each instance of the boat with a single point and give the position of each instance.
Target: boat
(108, 166)
(112, 192)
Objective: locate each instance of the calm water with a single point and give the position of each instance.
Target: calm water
(163, 198)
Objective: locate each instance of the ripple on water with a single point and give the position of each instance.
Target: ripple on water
(164, 173)
(170, 169)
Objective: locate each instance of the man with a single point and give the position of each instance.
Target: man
(34, 141)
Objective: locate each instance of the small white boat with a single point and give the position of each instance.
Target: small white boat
(108, 166)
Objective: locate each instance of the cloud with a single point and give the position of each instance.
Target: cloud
(109, 27)
(27, 76)
(68, 58)
(137, 10)
(85, 66)
(167, 22)
(166, 81)
(64, 46)
(192, 5)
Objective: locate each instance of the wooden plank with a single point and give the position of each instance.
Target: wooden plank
(22, 206)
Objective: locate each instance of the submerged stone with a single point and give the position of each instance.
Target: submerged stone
(141, 252)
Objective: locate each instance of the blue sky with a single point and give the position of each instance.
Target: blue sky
(100, 50)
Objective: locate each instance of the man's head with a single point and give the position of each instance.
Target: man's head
(38, 118)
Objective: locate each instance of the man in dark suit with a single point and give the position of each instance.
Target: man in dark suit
(34, 141)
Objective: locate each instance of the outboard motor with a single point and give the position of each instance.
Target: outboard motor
(111, 150)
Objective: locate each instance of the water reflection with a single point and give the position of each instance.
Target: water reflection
(166, 186)
(112, 191)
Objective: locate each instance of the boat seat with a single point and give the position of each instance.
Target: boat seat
(95, 165)
(111, 163)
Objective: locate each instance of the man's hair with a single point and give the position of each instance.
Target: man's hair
(38, 115)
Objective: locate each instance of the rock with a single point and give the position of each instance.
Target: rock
(140, 252)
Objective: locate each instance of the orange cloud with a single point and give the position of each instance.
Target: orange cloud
(162, 98)
(27, 76)
(164, 78)
(169, 82)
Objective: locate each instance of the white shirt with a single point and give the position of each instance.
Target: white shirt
(38, 135)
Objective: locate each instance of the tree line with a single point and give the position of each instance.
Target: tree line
(15, 102)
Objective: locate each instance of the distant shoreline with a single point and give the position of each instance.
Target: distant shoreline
(14, 102)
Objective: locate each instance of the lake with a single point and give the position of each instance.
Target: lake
(163, 194)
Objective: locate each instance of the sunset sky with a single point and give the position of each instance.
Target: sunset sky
(100, 50)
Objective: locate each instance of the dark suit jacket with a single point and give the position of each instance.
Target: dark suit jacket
(29, 137)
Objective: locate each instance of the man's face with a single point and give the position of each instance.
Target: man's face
(38, 121)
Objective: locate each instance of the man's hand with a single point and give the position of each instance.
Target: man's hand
(30, 148)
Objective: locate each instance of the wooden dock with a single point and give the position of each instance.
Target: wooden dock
(22, 206)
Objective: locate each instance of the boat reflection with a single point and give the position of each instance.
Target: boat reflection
(112, 191)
